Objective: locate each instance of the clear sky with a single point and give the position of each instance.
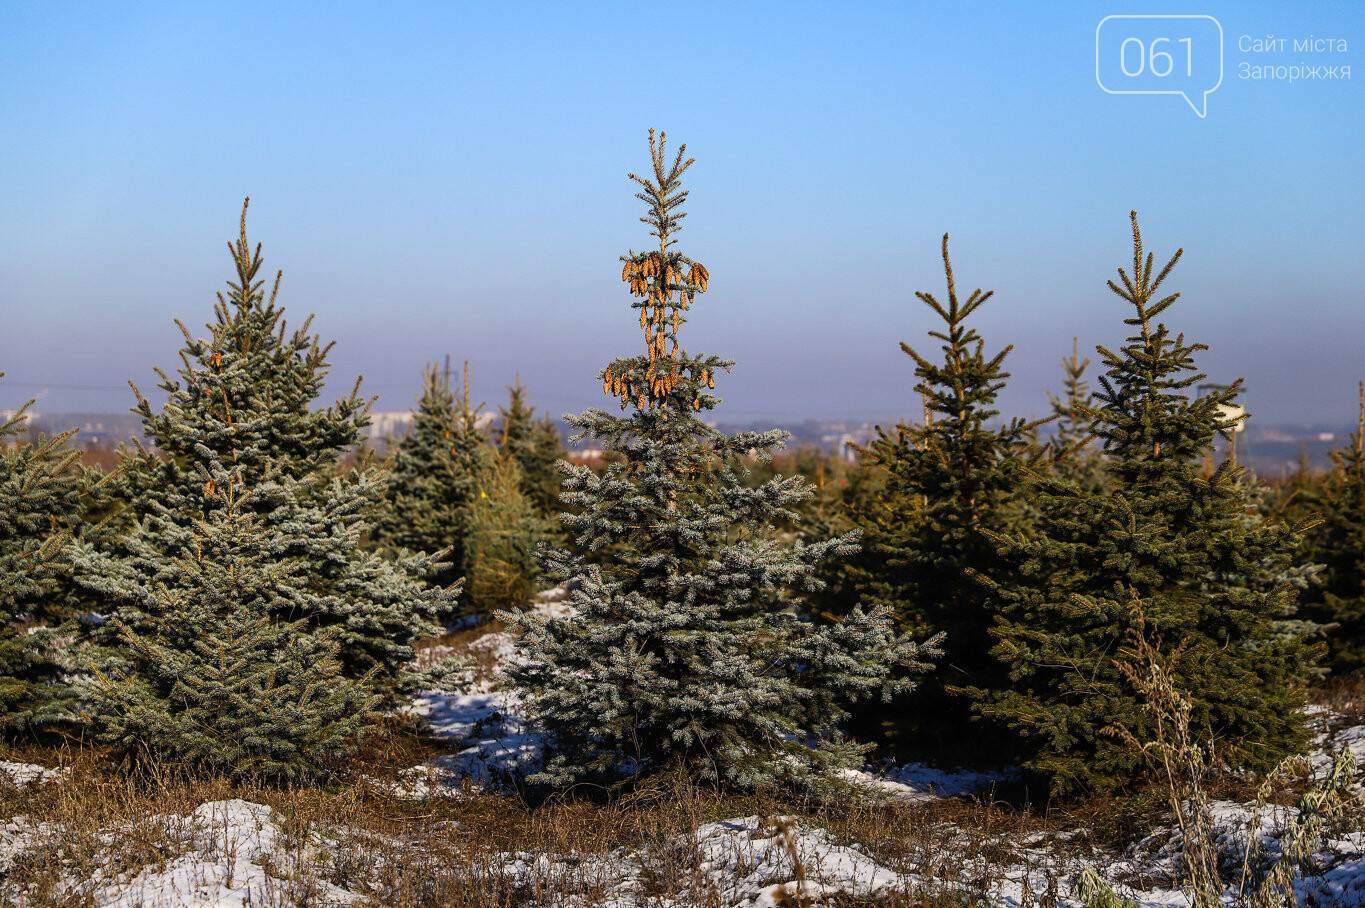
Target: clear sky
(451, 179)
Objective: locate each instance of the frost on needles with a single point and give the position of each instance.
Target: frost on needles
(250, 632)
(689, 648)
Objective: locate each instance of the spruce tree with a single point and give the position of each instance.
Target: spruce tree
(504, 533)
(689, 649)
(40, 505)
(1074, 458)
(946, 482)
(435, 477)
(858, 500)
(536, 447)
(216, 680)
(1167, 536)
(244, 398)
(1339, 544)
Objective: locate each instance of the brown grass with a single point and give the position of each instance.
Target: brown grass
(456, 851)
(106, 820)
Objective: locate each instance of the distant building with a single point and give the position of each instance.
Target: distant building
(840, 443)
(393, 425)
(389, 424)
(584, 455)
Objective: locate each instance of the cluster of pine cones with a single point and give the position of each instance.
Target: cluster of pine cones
(647, 382)
(657, 277)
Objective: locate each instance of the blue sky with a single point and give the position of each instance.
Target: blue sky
(451, 179)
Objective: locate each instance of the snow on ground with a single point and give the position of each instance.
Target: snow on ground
(233, 853)
(767, 854)
(745, 862)
(1342, 859)
(554, 602)
(228, 847)
(21, 775)
(916, 783)
(494, 743)
(18, 835)
(1329, 743)
(498, 646)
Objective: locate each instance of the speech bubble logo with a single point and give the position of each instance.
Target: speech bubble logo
(1160, 55)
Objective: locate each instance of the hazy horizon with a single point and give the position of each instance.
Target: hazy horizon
(442, 181)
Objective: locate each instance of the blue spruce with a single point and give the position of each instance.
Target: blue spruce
(689, 649)
(244, 399)
(41, 509)
(212, 678)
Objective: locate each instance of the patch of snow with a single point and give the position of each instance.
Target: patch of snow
(500, 646)
(18, 835)
(753, 863)
(495, 744)
(421, 783)
(554, 602)
(234, 860)
(917, 783)
(1329, 744)
(21, 775)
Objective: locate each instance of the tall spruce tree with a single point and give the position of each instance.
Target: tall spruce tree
(217, 680)
(435, 477)
(946, 482)
(40, 505)
(244, 399)
(688, 648)
(1167, 536)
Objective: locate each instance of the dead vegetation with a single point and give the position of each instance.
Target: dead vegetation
(100, 830)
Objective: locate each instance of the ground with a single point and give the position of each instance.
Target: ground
(433, 818)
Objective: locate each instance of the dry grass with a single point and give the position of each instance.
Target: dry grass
(106, 822)
(103, 823)
(1344, 696)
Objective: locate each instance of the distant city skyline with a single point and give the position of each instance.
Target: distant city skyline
(1269, 449)
(450, 180)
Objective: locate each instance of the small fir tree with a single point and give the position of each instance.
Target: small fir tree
(40, 506)
(688, 649)
(245, 397)
(946, 482)
(435, 478)
(537, 448)
(1074, 458)
(1163, 534)
(504, 533)
(1339, 544)
(218, 683)
(859, 498)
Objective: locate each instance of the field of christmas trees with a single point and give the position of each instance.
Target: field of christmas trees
(1077, 661)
